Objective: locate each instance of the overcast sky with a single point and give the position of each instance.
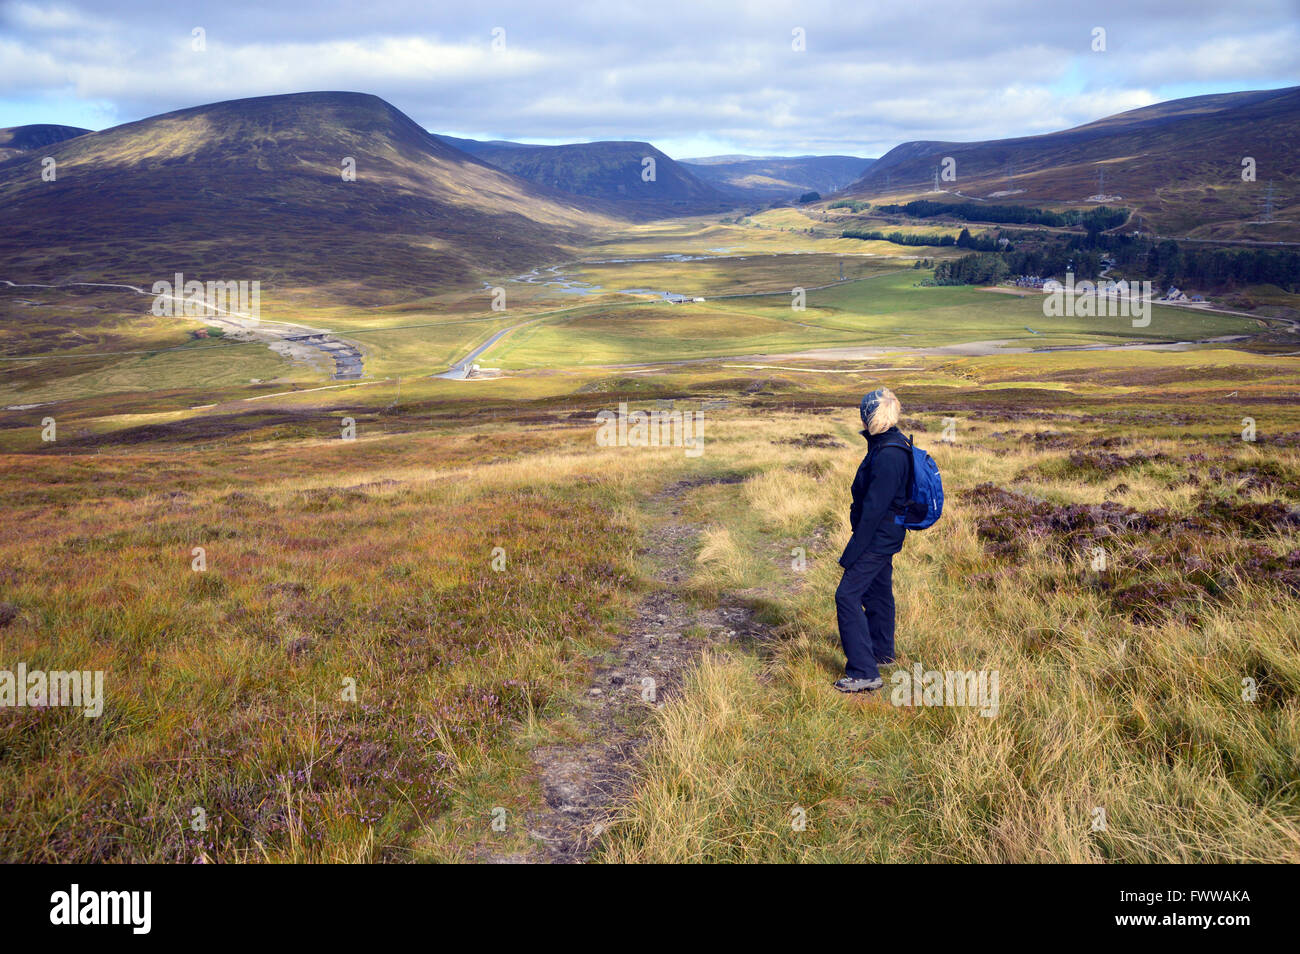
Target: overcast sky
(695, 77)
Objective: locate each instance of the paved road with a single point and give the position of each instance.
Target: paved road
(460, 370)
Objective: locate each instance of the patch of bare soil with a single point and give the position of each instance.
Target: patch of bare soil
(811, 441)
(582, 780)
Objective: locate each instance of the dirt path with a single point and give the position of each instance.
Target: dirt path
(582, 780)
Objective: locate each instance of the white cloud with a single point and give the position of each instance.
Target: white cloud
(874, 73)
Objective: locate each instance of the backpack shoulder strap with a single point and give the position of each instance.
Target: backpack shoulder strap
(910, 447)
(904, 444)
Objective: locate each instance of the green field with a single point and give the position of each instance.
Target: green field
(888, 310)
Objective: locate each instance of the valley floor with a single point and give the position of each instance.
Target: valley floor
(769, 288)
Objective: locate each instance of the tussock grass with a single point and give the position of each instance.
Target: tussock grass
(1142, 719)
(371, 560)
(723, 563)
(785, 498)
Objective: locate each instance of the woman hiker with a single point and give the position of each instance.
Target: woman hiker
(864, 601)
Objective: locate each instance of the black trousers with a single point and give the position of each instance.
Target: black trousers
(864, 607)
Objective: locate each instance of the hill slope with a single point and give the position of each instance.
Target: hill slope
(252, 189)
(1178, 165)
(609, 171)
(778, 178)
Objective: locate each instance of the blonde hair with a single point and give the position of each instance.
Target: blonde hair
(886, 413)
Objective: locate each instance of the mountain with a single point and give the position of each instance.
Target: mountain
(253, 189)
(1177, 165)
(778, 178)
(610, 171)
(477, 147)
(18, 139)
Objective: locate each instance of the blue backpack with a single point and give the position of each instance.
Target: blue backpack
(924, 492)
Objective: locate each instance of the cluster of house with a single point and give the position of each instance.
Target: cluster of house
(1030, 281)
(1177, 294)
(680, 299)
(1051, 284)
(1103, 288)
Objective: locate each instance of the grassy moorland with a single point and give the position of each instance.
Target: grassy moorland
(1120, 689)
(371, 560)
(326, 560)
(374, 566)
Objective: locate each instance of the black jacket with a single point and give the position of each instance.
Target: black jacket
(879, 492)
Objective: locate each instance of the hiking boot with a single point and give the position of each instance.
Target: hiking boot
(850, 684)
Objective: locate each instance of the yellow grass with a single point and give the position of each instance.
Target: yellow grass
(371, 560)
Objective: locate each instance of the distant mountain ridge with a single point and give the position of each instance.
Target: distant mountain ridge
(477, 147)
(778, 178)
(612, 171)
(18, 139)
(615, 171)
(1178, 165)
